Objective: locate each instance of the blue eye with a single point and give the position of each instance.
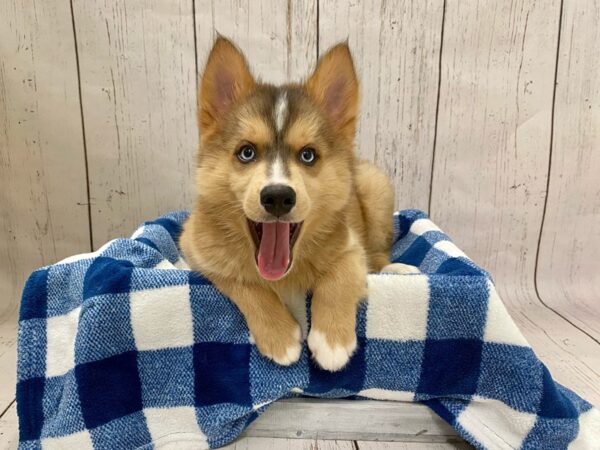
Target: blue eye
(246, 153)
(308, 156)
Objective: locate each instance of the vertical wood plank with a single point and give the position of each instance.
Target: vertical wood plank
(42, 170)
(491, 159)
(396, 49)
(278, 38)
(494, 129)
(568, 277)
(137, 66)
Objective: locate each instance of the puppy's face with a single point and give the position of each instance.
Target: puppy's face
(277, 159)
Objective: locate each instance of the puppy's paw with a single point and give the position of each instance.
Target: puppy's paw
(400, 268)
(283, 344)
(331, 355)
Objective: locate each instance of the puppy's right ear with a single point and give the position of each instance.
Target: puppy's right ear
(334, 86)
(225, 80)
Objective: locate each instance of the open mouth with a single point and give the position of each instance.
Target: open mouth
(274, 244)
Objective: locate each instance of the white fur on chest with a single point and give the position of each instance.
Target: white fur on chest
(295, 302)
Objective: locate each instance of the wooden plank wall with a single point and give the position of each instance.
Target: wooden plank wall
(484, 113)
(491, 160)
(399, 93)
(43, 188)
(137, 70)
(568, 275)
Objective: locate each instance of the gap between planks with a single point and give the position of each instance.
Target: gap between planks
(317, 444)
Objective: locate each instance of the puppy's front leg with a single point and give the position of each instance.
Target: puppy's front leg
(276, 333)
(332, 337)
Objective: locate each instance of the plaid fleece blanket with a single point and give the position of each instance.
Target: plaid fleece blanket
(126, 348)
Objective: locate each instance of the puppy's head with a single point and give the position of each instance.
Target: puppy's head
(276, 161)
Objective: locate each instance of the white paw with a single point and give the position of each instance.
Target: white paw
(292, 352)
(328, 357)
(400, 268)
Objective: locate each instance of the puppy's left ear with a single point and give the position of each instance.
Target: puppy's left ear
(334, 86)
(226, 79)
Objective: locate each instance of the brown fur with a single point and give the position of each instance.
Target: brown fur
(345, 205)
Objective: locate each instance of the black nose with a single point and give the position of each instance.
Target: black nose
(278, 199)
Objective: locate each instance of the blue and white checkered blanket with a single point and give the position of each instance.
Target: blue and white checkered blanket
(126, 348)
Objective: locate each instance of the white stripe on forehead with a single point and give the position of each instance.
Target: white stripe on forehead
(278, 175)
(281, 111)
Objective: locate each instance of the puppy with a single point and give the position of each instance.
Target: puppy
(284, 207)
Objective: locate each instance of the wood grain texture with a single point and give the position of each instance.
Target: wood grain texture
(396, 50)
(489, 177)
(350, 420)
(372, 445)
(568, 277)
(9, 431)
(288, 444)
(43, 194)
(8, 360)
(493, 128)
(572, 357)
(278, 38)
(490, 162)
(138, 82)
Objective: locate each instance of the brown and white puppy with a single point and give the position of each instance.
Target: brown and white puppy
(283, 206)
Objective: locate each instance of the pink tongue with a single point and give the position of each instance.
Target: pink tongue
(274, 252)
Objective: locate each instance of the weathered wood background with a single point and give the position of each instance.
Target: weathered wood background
(485, 113)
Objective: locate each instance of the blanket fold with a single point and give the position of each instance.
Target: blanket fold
(127, 348)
